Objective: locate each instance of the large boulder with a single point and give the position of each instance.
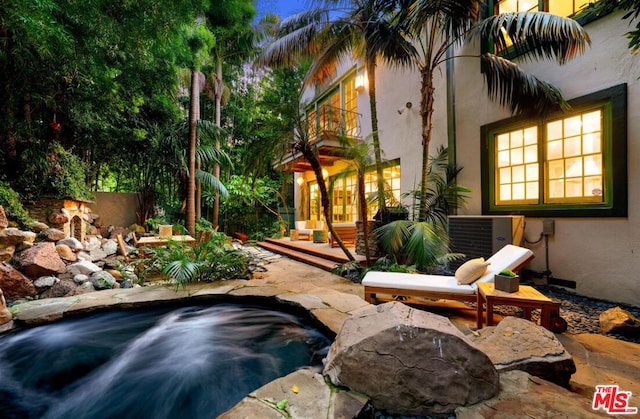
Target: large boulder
(38, 226)
(41, 260)
(14, 284)
(518, 344)
(12, 236)
(6, 252)
(409, 362)
(92, 243)
(110, 247)
(619, 321)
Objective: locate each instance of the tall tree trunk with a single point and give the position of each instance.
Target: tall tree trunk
(371, 74)
(426, 112)
(190, 211)
(198, 202)
(363, 215)
(216, 166)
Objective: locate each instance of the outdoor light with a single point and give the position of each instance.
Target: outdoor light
(361, 81)
(407, 105)
(325, 173)
(299, 180)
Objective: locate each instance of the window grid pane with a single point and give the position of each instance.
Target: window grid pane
(517, 167)
(574, 161)
(391, 183)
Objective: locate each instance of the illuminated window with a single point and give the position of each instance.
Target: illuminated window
(391, 185)
(564, 8)
(335, 111)
(569, 165)
(344, 199)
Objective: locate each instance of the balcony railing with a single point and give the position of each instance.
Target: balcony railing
(328, 120)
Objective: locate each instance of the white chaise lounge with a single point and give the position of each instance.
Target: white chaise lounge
(437, 286)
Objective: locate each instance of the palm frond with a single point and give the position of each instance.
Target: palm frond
(519, 91)
(211, 154)
(426, 245)
(535, 35)
(183, 270)
(456, 16)
(392, 237)
(209, 181)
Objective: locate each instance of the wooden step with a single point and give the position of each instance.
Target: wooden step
(330, 255)
(310, 259)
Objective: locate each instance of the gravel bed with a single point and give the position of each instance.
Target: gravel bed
(581, 313)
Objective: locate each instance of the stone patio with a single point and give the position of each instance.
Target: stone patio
(330, 300)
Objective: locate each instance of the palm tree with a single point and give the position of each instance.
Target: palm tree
(437, 26)
(332, 31)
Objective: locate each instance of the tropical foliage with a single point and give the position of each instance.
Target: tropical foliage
(632, 9)
(208, 260)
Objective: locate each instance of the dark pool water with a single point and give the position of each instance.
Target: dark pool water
(193, 362)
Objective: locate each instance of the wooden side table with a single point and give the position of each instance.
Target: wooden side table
(527, 298)
(293, 235)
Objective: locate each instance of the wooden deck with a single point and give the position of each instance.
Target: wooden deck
(320, 255)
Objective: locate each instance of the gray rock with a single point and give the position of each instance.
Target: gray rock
(518, 344)
(88, 286)
(97, 254)
(52, 234)
(12, 236)
(84, 256)
(525, 396)
(62, 288)
(313, 400)
(73, 243)
(110, 247)
(102, 280)
(83, 267)
(80, 278)
(92, 243)
(41, 260)
(619, 321)
(409, 362)
(45, 281)
(37, 226)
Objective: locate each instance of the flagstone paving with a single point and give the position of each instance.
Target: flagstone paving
(331, 299)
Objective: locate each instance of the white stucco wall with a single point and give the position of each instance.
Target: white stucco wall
(602, 255)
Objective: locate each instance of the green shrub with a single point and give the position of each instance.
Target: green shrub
(53, 172)
(10, 201)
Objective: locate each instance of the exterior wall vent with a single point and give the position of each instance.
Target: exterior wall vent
(482, 235)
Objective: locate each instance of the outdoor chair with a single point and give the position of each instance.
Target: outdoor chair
(395, 284)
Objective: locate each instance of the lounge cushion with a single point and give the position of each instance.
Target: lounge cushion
(471, 271)
(509, 257)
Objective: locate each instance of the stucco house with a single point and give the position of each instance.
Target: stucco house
(578, 168)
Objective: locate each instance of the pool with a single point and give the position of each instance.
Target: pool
(196, 361)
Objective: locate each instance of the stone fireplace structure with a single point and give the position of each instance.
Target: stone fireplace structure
(68, 215)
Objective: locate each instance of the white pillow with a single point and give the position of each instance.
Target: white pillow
(471, 271)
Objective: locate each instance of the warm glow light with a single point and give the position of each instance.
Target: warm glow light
(300, 180)
(325, 173)
(361, 81)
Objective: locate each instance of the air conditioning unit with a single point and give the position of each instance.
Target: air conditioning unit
(483, 235)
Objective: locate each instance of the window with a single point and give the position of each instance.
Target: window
(345, 193)
(557, 7)
(336, 110)
(568, 165)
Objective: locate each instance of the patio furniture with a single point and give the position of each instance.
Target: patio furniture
(527, 298)
(319, 236)
(346, 232)
(440, 286)
(305, 228)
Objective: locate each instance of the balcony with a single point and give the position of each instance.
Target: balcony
(327, 126)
